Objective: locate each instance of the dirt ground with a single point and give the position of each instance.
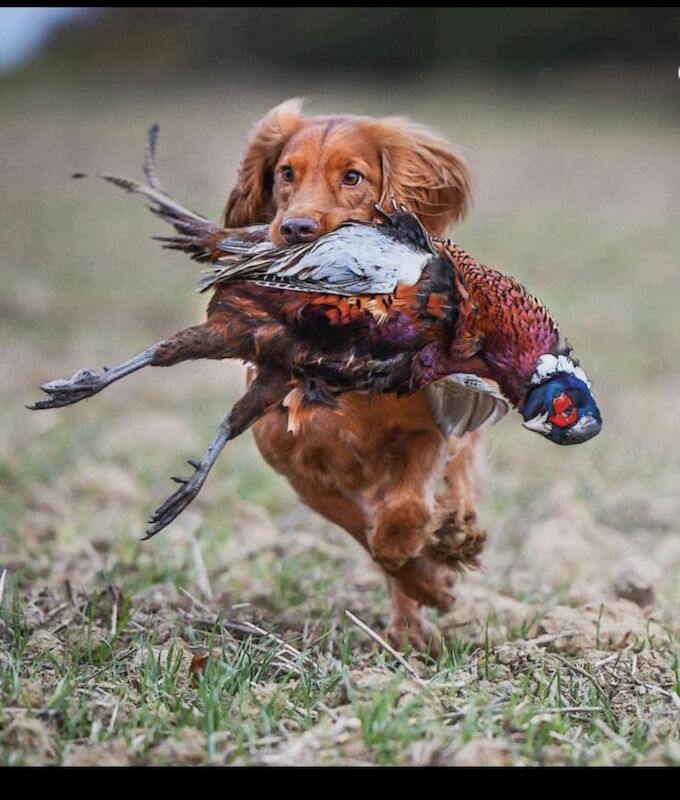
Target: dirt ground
(224, 640)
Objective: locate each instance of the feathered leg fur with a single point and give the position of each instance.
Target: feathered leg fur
(403, 506)
(456, 540)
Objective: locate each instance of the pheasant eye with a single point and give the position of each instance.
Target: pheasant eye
(352, 178)
(287, 174)
(565, 414)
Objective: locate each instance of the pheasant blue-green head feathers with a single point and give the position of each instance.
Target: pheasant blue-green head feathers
(560, 406)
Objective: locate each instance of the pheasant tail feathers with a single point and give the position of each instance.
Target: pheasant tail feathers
(196, 235)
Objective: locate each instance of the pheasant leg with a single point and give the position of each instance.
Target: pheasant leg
(86, 383)
(267, 390)
(199, 341)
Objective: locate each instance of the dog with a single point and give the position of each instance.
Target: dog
(371, 465)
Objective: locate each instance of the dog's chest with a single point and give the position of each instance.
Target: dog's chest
(351, 449)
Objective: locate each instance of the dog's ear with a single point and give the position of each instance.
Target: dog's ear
(422, 171)
(250, 201)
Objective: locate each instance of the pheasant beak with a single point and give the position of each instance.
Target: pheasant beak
(539, 424)
(587, 427)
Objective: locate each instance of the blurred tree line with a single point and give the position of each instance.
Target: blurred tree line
(149, 42)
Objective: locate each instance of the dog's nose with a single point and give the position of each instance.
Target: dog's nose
(299, 229)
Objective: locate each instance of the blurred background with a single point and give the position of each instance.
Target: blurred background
(570, 120)
(231, 43)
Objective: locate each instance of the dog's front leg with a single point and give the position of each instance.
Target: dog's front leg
(404, 502)
(456, 540)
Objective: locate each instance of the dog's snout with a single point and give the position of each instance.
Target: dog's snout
(299, 229)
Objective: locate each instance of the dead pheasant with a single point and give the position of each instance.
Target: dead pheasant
(374, 308)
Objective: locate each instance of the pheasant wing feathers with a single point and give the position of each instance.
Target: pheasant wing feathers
(461, 403)
(195, 232)
(355, 259)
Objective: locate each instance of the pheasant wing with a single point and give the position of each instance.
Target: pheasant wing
(461, 403)
(355, 259)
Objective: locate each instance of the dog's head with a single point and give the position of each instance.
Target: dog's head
(307, 175)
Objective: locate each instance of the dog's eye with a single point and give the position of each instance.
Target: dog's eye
(352, 178)
(287, 174)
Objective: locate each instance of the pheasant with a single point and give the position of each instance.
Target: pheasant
(369, 307)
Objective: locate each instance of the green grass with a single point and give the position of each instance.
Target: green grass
(113, 683)
(578, 197)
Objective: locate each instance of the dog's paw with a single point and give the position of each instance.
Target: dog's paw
(427, 582)
(398, 535)
(457, 542)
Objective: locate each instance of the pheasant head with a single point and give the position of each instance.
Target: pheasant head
(560, 405)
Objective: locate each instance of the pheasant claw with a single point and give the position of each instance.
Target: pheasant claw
(177, 501)
(190, 487)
